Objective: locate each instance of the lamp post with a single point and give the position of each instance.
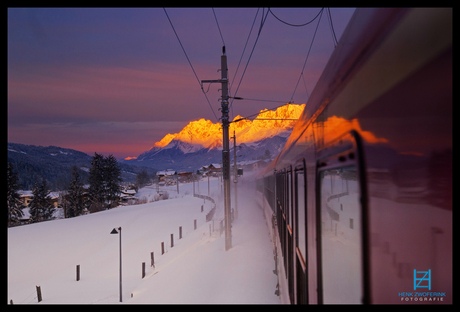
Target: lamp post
(118, 231)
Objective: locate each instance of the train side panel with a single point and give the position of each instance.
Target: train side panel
(364, 183)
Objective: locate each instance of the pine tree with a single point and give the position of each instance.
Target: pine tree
(41, 206)
(48, 204)
(35, 208)
(75, 206)
(96, 182)
(112, 179)
(104, 181)
(13, 199)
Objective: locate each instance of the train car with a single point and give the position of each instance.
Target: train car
(361, 195)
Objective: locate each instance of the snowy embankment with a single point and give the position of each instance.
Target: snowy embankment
(196, 270)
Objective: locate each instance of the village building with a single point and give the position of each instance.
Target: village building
(165, 173)
(127, 196)
(211, 170)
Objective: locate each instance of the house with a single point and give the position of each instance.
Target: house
(26, 197)
(185, 176)
(211, 169)
(54, 198)
(165, 173)
(127, 195)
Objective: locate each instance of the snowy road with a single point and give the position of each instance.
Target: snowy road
(196, 270)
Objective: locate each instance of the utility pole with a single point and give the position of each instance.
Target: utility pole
(235, 176)
(226, 147)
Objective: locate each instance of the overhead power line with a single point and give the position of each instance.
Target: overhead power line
(295, 25)
(259, 100)
(308, 54)
(262, 22)
(276, 119)
(244, 49)
(334, 37)
(190, 63)
(263, 111)
(218, 27)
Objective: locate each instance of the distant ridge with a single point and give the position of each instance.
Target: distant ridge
(32, 163)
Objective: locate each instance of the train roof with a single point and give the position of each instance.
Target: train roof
(363, 37)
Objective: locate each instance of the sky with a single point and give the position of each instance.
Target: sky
(115, 80)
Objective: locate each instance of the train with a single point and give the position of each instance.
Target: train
(359, 201)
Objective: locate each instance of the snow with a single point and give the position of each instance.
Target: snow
(12, 150)
(196, 270)
(185, 147)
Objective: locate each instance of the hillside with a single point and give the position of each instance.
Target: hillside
(54, 164)
(196, 270)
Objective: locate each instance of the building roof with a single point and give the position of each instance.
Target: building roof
(166, 172)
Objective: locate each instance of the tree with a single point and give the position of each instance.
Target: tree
(13, 199)
(41, 206)
(96, 183)
(104, 181)
(142, 179)
(112, 178)
(75, 196)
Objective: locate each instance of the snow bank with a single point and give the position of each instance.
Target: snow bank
(196, 270)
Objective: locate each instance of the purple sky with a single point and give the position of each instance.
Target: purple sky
(115, 81)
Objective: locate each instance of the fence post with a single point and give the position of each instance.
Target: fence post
(39, 293)
(201, 208)
(78, 272)
(180, 232)
(172, 240)
(143, 269)
(194, 224)
(152, 261)
(162, 247)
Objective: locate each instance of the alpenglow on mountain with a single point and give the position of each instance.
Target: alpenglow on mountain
(200, 142)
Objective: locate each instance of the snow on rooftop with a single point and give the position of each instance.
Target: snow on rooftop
(166, 172)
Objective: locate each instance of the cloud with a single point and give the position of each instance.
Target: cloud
(96, 75)
(105, 94)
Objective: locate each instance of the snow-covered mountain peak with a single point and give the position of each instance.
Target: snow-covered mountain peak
(203, 136)
(209, 135)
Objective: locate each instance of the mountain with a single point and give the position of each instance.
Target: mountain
(200, 142)
(54, 164)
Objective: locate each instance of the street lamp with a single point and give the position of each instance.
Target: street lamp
(118, 231)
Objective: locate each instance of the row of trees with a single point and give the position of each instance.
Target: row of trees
(13, 200)
(104, 187)
(41, 206)
(103, 192)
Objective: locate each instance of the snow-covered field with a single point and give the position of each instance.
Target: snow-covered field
(196, 270)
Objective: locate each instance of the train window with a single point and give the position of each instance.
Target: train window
(300, 213)
(341, 235)
(288, 200)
